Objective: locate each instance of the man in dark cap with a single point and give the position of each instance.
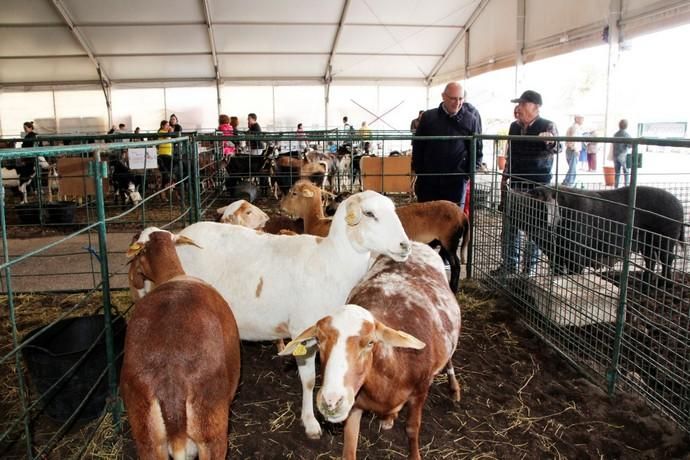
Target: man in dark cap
(528, 165)
(442, 165)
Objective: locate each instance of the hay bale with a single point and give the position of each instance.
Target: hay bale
(574, 300)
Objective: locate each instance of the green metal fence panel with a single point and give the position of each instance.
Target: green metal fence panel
(585, 284)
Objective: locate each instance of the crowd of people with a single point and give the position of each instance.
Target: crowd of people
(442, 166)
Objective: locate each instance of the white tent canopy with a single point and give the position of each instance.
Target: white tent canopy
(66, 42)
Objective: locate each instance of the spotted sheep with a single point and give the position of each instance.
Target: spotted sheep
(382, 350)
(441, 221)
(181, 363)
(273, 281)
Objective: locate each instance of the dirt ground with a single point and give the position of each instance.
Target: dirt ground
(520, 400)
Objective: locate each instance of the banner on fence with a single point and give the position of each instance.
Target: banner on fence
(142, 158)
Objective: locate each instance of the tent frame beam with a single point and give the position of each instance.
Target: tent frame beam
(456, 41)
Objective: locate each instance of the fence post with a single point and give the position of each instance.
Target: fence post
(473, 195)
(99, 171)
(612, 372)
(195, 181)
(13, 323)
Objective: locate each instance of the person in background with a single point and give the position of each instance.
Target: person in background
(442, 166)
(592, 150)
(572, 150)
(137, 130)
(165, 159)
(347, 127)
(415, 122)
(529, 164)
(620, 153)
(121, 127)
(29, 134)
(365, 131)
(175, 125)
(226, 128)
(256, 147)
(301, 138)
(235, 123)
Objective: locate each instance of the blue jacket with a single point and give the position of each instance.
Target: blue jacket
(450, 157)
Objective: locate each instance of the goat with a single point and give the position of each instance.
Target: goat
(441, 221)
(132, 194)
(270, 279)
(121, 176)
(378, 358)
(304, 201)
(181, 363)
(16, 180)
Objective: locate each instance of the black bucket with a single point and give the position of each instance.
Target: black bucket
(60, 212)
(53, 353)
(28, 213)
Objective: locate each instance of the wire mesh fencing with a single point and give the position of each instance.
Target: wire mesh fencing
(62, 317)
(602, 274)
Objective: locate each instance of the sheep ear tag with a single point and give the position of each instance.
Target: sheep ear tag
(300, 350)
(134, 249)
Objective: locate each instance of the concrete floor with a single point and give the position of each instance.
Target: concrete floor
(72, 264)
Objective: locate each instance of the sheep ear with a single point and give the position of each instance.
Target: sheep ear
(354, 214)
(397, 338)
(134, 249)
(293, 345)
(181, 239)
(307, 193)
(221, 210)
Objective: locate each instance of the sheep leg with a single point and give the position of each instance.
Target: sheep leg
(306, 366)
(351, 434)
(215, 439)
(414, 421)
(148, 429)
(454, 262)
(453, 384)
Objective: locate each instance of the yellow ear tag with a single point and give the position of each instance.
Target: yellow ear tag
(300, 350)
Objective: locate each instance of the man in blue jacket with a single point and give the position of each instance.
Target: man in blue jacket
(442, 166)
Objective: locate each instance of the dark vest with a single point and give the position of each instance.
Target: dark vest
(531, 161)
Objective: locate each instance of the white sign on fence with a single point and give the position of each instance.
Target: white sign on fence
(142, 158)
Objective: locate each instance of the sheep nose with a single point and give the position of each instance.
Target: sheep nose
(333, 401)
(405, 246)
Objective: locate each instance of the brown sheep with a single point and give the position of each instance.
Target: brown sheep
(182, 357)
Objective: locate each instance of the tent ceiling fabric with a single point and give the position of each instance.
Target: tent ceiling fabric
(272, 41)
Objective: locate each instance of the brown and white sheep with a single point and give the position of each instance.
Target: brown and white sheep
(243, 213)
(182, 357)
(385, 353)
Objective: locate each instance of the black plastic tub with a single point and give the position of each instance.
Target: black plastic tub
(28, 213)
(60, 212)
(51, 355)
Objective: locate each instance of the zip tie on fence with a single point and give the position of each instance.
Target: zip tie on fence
(93, 252)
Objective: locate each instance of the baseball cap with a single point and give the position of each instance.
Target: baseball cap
(529, 96)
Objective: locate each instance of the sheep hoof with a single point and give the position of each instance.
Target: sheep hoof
(387, 423)
(312, 428)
